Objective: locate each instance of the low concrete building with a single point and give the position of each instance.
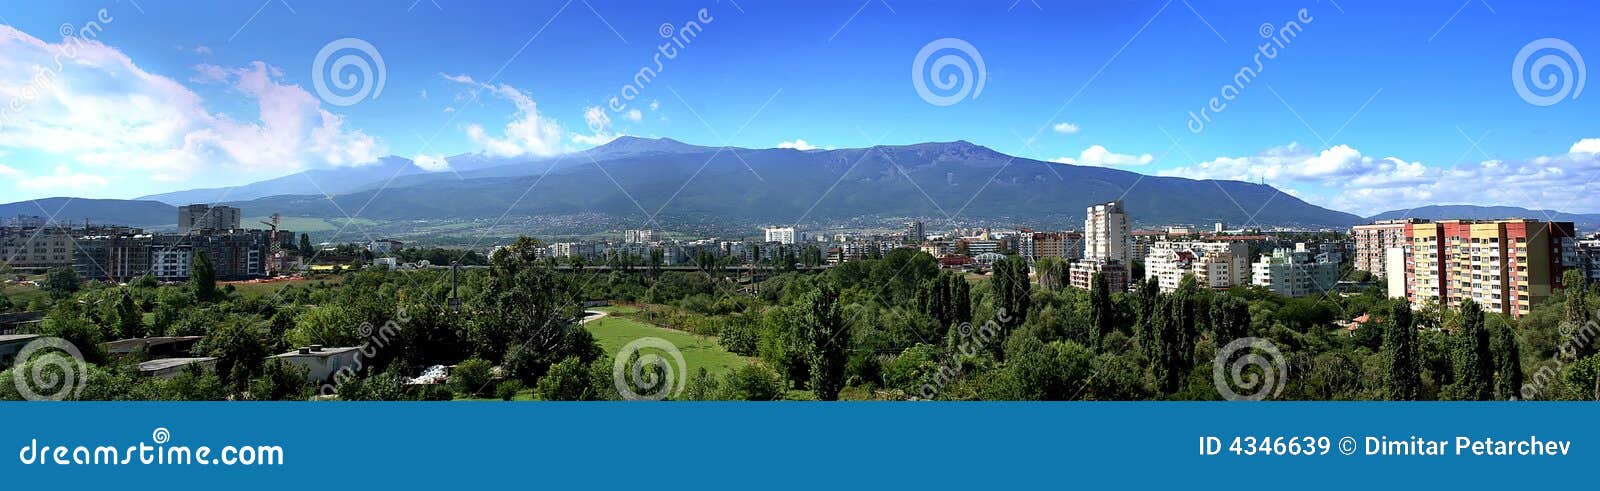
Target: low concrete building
(162, 346)
(321, 363)
(172, 367)
(10, 345)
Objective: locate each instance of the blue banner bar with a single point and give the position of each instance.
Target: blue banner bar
(797, 445)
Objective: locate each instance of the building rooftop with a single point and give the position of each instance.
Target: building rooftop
(17, 338)
(316, 351)
(166, 363)
(127, 345)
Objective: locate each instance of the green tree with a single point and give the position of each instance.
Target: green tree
(471, 378)
(567, 380)
(523, 303)
(1036, 371)
(1508, 364)
(1013, 292)
(306, 251)
(61, 282)
(1404, 375)
(1577, 312)
(829, 342)
(239, 351)
(752, 382)
(130, 321)
(1230, 319)
(279, 381)
(1474, 369)
(203, 277)
(1102, 314)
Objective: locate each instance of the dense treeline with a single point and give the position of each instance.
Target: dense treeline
(892, 327)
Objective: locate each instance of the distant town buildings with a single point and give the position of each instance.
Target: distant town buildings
(1296, 272)
(120, 254)
(1589, 257)
(385, 246)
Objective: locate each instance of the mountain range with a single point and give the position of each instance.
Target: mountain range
(661, 180)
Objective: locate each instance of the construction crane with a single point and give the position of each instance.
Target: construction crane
(272, 244)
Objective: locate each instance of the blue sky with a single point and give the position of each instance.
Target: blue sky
(1373, 105)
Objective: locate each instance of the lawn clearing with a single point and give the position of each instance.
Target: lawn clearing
(615, 331)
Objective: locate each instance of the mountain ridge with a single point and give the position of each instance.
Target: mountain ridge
(652, 180)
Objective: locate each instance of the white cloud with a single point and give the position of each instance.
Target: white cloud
(100, 110)
(655, 105)
(1098, 155)
(431, 163)
(1586, 145)
(1343, 178)
(64, 180)
(11, 172)
(528, 133)
(600, 123)
(1065, 128)
(798, 144)
(635, 116)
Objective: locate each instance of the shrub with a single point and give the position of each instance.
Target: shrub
(471, 378)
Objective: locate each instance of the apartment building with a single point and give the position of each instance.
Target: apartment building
(1296, 272)
(207, 217)
(781, 235)
(1217, 265)
(1372, 240)
(1105, 246)
(1507, 266)
(1064, 245)
(36, 247)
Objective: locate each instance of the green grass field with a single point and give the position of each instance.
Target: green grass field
(617, 330)
(269, 289)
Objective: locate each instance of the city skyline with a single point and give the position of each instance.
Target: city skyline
(1364, 108)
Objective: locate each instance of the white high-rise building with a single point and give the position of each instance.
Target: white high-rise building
(1105, 247)
(1105, 233)
(645, 236)
(781, 235)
